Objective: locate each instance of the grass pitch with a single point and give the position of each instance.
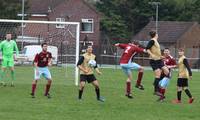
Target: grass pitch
(17, 104)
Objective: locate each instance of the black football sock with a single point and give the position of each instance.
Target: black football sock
(156, 84)
(188, 93)
(179, 95)
(97, 90)
(80, 94)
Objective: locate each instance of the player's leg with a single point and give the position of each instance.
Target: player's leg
(37, 74)
(83, 79)
(3, 71)
(47, 89)
(179, 91)
(140, 75)
(128, 84)
(2, 77)
(95, 83)
(127, 70)
(12, 72)
(187, 91)
(157, 74)
(34, 84)
(46, 73)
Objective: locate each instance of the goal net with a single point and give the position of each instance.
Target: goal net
(62, 39)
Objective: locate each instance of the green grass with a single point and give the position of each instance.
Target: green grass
(16, 103)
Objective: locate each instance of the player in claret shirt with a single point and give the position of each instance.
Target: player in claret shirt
(41, 62)
(170, 63)
(130, 50)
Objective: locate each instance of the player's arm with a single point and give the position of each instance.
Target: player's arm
(35, 61)
(122, 46)
(140, 50)
(172, 63)
(97, 69)
(50, 60)
(80, 61)
(149, 45)
(16, 48)
(185, 62)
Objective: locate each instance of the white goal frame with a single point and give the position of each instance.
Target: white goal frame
(55, 22)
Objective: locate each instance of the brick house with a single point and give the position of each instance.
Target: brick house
(174, 35)
(63, 10)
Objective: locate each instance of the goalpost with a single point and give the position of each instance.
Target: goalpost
(64, 35)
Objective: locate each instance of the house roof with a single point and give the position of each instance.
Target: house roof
(42, 6)
(168, 31)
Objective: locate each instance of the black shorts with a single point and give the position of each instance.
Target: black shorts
(182, 82)
(156, 64)
(88, 78)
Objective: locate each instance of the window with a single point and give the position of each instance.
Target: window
(87, 26)
(60, 20)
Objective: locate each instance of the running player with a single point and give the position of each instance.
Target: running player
(127, 65)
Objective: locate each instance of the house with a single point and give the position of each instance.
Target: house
(63, 10)
(174, 35)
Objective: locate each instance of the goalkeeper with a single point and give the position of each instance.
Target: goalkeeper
(8, 47)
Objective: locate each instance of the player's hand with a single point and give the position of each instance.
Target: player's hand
(117, 44)
(86, 71)
(49, 64)
(162, 57)
(99, 73)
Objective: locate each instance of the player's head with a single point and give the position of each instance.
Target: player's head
(181, 52)
(166, 52)
(153, 34)
(44, 46)
(8, 36)
(89, 49)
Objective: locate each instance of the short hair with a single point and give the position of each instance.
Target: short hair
(166, 49)
(152, 33)
(181, 49)
(43, 44)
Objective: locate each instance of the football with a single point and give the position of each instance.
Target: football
(92, 63)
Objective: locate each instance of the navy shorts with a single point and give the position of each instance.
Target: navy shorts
(156, 64)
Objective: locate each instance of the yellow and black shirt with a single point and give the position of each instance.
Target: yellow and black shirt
(83, 61)
(184, 70)
(154, 47)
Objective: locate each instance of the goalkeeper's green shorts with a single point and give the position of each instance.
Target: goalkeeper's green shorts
(7, 63)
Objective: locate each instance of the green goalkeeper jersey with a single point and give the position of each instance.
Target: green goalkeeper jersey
(8, 48)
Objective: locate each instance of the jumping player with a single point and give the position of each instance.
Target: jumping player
(127, 65)
(41, 62)
(153, 49)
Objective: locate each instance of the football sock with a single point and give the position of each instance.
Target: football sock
(33, 88)
(179, 95)
(12, 75)
(97, 90)
(162, 91)
(47, 89)
(128, 87)
(80, 94)
(140, 75)
(188, 93)
(156, 84)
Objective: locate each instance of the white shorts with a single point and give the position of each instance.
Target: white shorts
(42, 71)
